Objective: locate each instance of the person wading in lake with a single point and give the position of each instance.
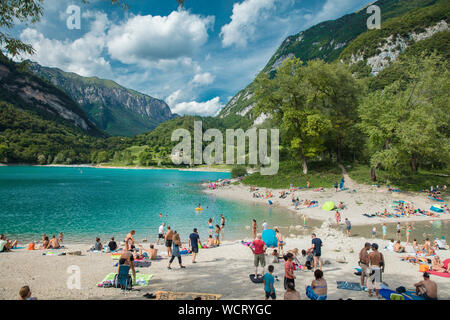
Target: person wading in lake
(168, 241)
(222, 226)
(161, 232)
(194, 240)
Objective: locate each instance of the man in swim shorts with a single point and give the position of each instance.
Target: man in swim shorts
(317, 251)
(130, 242)
(364, 262)
(376, 266)
(258, 248)
(168, 241)
(194, 240)
(161, 232)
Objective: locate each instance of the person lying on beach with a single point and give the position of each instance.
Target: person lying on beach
(426, 288)
(437, 265)
(398, 247)
(25, 293)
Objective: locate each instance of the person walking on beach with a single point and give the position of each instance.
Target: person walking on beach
(384, 229)
(161, 232)
(336, 187)
(427, 288)
(254, 229)
(194, 240)
(364, 263)
(176, 251)
(376, 267)
(341, 184)
(348, 227)
(269, 282)
(289, 277)
(258, 248)
(168, 241)
(317, 251)
(337, 215)
(398, 231)
(222, 225)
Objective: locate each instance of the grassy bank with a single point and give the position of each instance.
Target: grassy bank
(320, 174)
(412, 182)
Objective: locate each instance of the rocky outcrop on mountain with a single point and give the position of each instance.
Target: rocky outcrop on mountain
(31, 93)
(113, 108)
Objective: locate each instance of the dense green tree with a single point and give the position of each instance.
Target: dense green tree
(408, 124)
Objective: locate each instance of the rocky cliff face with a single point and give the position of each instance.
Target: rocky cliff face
(113, 108)
(31, 93)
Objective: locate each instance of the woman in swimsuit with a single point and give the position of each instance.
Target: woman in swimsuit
(280, 239)
(217, 241)
(210, 226)
(222, 224)
(318, 288)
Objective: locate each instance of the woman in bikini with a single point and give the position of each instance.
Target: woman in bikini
(280, 241)
(210, 226)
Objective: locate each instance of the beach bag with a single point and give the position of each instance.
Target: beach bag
(31, 246)
(424, 268)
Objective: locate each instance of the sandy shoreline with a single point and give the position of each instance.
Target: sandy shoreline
(201, 169)
(367, 199)
(224, 270)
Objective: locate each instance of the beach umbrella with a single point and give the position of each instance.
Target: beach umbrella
(270, 238)
(328, 206)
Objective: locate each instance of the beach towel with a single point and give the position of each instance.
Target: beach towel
(354, 286)
(142, 263)
(440, 274)
(141, 280)
(17, 248)
(168, 295)
(408, 295)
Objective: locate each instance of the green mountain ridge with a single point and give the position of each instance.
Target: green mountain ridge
(113, 108)
(325, 41)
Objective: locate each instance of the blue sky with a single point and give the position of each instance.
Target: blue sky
(195, 59)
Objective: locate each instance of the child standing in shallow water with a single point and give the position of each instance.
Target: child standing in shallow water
(217, 241)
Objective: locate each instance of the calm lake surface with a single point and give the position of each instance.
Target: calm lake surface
(88, 202)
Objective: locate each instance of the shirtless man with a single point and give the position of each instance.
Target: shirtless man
(426, 288)
(152, 252)
(54, 244)
(364, 262)
(128, 256)
(398, 247)
(168, 241)
(130, 242)
(376, 266)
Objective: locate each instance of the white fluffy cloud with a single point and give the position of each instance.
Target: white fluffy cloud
(244, 20)
(202, 79)
(147, 39)
(208, 108)
(82, 56)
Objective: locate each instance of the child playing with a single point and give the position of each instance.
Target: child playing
(269, 281)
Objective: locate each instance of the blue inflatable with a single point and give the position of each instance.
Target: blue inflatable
(270, 238)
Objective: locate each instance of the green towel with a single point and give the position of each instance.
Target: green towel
(141, 279)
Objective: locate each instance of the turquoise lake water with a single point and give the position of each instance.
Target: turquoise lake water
(88, 202)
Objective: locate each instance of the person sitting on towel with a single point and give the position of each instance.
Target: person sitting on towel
(437, 265)
(426, 288)
(53, 244)
(98, 245)
(210, 242)
(112, 244)
(318, 288)
(398, 247)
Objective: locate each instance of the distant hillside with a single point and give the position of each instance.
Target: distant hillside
(113, 108)
(30, 93)
(326, 41)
